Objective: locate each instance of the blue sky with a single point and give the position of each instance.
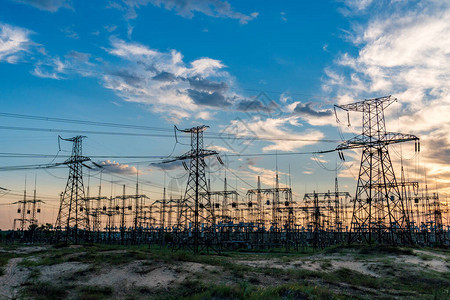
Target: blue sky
(269, 69)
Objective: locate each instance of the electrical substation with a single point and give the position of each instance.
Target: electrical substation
(386, 208)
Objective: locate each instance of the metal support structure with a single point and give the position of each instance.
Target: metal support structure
(196, 198)
(379, 213)
(73, 212)
(325, 210)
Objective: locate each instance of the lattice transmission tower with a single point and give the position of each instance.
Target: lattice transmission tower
(28, 208)
(195, 209)
(73, 212)
(379, 213)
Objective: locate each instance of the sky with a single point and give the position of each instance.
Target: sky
(269, 71)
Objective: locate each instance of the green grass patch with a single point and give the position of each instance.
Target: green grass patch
(385, 249)
(44, 291)
(4, 259)
(248, 291)
(425, 283)
(364, 249)
(94, 292)
(354, 278)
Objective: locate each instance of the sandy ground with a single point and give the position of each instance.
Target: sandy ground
(61, 271)
(437, 265)
(318, 264)
(26, 250)
(159, 275)
(145, 274)
(13, 278)
(135, 274)
(366, 267)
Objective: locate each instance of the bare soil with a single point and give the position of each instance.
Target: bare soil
(108, 272)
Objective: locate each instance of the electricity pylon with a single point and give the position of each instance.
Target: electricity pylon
(196, 197)
(28, 207)
(73, 212)
(378, 205)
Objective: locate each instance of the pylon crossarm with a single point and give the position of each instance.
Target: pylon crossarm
(188, 155)
(268, 191)
(363, 106)
(203, 154)
(361, 141)
(79, 159)
(394, 137)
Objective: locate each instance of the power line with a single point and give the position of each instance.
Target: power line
(82, 122)
(40, 155)
(31, 155)
(224, 136)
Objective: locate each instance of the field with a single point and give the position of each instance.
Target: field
(118, 272)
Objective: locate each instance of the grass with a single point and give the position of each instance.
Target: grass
(4, 259)
(94, 292)
(325, 265)
(368, 250)
(424, 283)
(384, 249)
(248, 291)
(354, 278)
(44, 291)
(242, 281)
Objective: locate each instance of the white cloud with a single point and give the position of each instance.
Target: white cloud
(404, 50)
(124, 49)
(220, 149)
(398, 52)
(268, 177)
(118, 168)
(319, 159)
(276, 128)
(73, 62)
(353, 7)
(205, 115)
(168, 84)
(70, 32)
(53, 69)
(312, 112)
(358, 4)
(14, 41)
(48, 5)
(187, 9)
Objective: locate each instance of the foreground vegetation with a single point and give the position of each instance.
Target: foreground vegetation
(108, 272)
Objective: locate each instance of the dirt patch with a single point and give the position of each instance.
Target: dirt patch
(314, 265)
(361, 267)
(28, 250)
(61, 271)
(438, 265)
(147, 274)
(136, 274)
(430, 253)
(197, 267)
(13, 278)
(265, 263)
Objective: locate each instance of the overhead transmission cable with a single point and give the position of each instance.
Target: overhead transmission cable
(218, 136)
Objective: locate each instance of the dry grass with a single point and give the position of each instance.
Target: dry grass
(117, 272)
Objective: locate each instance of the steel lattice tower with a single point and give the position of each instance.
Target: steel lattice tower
(73, 212)
(196, 197)
(378, 205)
